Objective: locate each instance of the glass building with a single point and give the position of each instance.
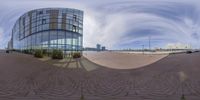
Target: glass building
(49, 28)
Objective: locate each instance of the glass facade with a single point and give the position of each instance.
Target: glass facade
(49, 28)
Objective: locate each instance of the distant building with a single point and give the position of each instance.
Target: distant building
(178, 46)
(90, 49)
(98, 47)
(103, 48)
(9, 47)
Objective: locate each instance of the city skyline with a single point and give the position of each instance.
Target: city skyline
(119, 24)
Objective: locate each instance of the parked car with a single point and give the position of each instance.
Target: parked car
(188, 52)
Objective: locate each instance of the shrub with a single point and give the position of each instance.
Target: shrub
(183, 97)
(76, 55)
(82, 97)
(44, 51)
(57, 54)
(32, 51)
(7, 51)
(25, 51)
(38, 53)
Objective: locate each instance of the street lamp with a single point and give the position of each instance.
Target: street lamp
(142, 49)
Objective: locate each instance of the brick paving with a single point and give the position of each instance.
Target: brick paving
(23, 77)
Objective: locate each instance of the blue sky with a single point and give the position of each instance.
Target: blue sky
(119, 24)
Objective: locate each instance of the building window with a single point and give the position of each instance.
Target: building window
(40, 12)
(24, 21)
(75, 17)
(44, 21)
(74, 28)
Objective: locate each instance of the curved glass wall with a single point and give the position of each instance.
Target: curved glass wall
(49, 28)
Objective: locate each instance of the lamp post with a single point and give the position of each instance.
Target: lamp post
(142, 49)
(149, 43)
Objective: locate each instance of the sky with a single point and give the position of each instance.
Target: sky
(119, 24)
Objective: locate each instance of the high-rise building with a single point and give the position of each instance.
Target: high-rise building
(98, 47)
(9, 46)
(103, 48)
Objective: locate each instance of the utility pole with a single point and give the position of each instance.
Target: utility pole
(149, 43)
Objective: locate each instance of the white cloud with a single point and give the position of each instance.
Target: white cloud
(102, 29)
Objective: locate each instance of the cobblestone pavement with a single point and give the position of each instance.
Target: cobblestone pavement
(23, 77)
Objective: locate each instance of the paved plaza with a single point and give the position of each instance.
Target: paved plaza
(23, 77)
(120, 60)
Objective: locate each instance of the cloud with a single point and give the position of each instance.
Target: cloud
(164, 21)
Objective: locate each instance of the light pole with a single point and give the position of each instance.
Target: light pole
(142, 49)
(149, 43)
